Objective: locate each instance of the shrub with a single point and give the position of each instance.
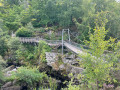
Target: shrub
(2, 63)
(42, 48)
(23, 32)
(14, 43)
(3, 46)
(28, 76)
(12, 25)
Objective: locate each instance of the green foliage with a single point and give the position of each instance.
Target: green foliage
(1, 67)
(14, 45)
(12, 25)
(62, 13)
(97, 40)
(10, 18)
(3, 46)
(71, 85)
(97, 67)
(40, 51)
(24, 32)
(96, 70)
(3, 42)
(28, 76)
(25, 17)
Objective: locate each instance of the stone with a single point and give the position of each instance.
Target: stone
(62, 67)
(9, 73)
(71, 69)
(118, 88)
(55, 66)
(8, 84)
(11, 88)
(51, 58)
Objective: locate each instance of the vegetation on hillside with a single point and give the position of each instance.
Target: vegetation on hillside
(94, 23)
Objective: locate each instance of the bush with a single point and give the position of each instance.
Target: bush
(28, 76)
(2, 64)
(12, 25)
(40, 51)
(23, 32)
(3, 46)
(14, 45)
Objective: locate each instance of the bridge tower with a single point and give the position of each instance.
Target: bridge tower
(68, 31)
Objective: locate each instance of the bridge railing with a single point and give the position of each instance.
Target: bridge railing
(28, 39)
(37, 39)
(79, 46)
(54, 41)
(51, 42)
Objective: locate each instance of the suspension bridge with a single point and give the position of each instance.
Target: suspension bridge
(75, 47)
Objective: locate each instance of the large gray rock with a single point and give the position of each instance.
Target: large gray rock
(71, 69)
(8, 84)
(51, 58)
(11, 88)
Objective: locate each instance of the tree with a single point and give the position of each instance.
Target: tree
(97, 68)
(14, 45)
(3, 39)
(24, 32)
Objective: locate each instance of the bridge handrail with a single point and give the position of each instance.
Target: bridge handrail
(79, 46)
(37, 39)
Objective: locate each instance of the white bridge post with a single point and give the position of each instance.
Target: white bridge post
(69, 35)
(63, 38)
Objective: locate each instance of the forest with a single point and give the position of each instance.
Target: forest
(59, 45)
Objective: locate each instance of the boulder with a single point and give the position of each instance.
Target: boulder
(118, 88)
(71, 69)
(11, 88)
(51, 58)
(8, 84)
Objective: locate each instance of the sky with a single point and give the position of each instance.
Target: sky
(118, 0)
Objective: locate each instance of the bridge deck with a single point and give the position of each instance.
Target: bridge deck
(70, 46)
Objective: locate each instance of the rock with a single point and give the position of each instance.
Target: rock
(71, 56)
(51, 58)
(76, 70)
(71, 69)
(14, 82)
(70, 61)
(62, 67)
(8, 84)
(108, 87)
(55, 66)
(118, 88)
(9, 68)
(11, 88)
(116, 74)
(9, 73)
